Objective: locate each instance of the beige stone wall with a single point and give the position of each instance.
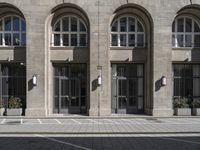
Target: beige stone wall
(158, 56)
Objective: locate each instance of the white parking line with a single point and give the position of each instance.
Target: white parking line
(62, 142)
(57, 121)
(76, 121)
(94, 121)
(179, 140)
(40, 122)
(2, 122)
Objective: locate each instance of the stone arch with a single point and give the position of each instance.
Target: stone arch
(146, 18)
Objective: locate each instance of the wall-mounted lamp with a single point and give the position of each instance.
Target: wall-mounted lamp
(99, 80)
(99, 68)
(163, 81)
(35, 80)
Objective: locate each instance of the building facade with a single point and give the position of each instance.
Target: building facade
(99, 57)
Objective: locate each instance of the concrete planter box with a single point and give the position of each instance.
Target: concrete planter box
(182, 111)
(196, 111)
(2, 110)
(14, 112)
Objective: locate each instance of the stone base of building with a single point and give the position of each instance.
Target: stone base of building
(163, 112)
(102, 112)
(35, 112)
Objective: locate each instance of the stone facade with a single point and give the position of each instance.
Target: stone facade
(157, 56)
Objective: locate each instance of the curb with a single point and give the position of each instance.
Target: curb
(93, 133)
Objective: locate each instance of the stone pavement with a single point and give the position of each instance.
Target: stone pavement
(99, 126)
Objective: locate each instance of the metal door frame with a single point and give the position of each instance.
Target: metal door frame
(69, 97)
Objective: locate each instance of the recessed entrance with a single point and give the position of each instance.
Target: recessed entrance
(127, 88)
(12, 86)
(70, 88)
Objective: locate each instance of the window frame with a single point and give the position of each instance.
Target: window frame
(12, 32)
(175, 33)
(69, 32)
(127, 33)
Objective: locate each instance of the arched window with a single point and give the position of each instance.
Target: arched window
(12, 31)
(69, 31)
(185, 32)
(127, 32)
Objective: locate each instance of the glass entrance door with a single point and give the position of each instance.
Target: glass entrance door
(69, 95)
(127, 88)
(70, 88)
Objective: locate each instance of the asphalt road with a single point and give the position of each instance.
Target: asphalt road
(99, 142)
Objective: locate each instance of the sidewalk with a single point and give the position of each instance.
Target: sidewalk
(100, 126)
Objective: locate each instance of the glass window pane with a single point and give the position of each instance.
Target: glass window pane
(7, 39)
(131, 39)
(82, 27)
(180, 24)
(123, 40)
(131, 24)
(196, 27)
(188, 40)
(57, 26)
(123, 25)
(56, 39)
(139, 27)
(65, 24)
(197, 41)
(23, 25)
(23, 40)
(73, 24)
(1, 25)
(73, 39)
(83, 39)
(180, 40)
(1, 39)
(16, 24)
(65, 39)
(173, 41)
(8, 24)
(196, 87)
(140, 40)
(114, 40)
(173, 27)
(16, 39)
(188, 25)
(115, 27)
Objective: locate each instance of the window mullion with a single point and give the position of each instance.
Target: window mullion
(78, 35)
(136, 29)
(118, 34)
(69, 31)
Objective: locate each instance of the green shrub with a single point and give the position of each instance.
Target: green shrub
(196, 103)
(14, 102)
(180, 103)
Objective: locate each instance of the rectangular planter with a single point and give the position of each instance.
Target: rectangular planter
(196, 111)
(2, 110)
(182, 111)
(14, 111)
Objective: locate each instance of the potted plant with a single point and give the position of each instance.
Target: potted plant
(2, 108)
(196, 107)
(14, 106)
(181, 107)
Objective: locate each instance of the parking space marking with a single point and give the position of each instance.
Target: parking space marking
(179, 140)
(62, 142)
(40, 122)
(94, 121)
(57, 121)
(76, 121)
(2, 122)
